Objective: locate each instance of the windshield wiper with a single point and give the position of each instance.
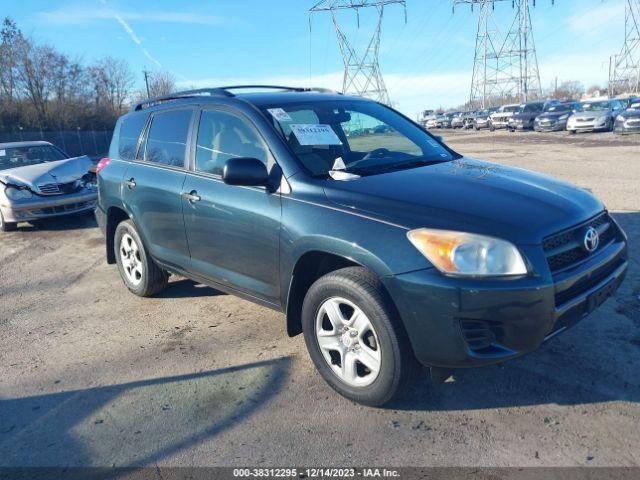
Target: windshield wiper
(393, 167)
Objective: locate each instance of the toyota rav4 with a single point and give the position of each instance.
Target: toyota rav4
(382, 245)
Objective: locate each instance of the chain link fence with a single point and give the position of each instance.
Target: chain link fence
(93, 143)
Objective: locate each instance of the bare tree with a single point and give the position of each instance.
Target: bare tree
(161, 83)
(569, 89)
(113, 82)
(12, 43)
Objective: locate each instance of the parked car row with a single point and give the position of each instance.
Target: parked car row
(591, 115)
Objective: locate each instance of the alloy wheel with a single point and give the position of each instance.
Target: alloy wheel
(348, 342)
(131, 260)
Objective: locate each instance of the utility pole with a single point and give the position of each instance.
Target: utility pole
(362, 74)
(146, 81)
(505, 67)
(624, 68)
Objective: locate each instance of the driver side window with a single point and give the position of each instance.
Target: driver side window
(223, 135)
(365, 134)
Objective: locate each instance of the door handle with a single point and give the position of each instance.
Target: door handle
(131, 183)
(191, 196)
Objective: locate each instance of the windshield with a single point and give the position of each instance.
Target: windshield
(510, 108)
(531, 107)
(593, 106)
(560, 108)
(358, 137)
(14, 157)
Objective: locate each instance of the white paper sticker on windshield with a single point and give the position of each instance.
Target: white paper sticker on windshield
(279, 114)
(339, 164)
(315, 134)
(3, 153)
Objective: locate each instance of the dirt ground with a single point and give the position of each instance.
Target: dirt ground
(92, 375)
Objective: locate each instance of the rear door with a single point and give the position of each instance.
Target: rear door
(233, 231)
(152, 185)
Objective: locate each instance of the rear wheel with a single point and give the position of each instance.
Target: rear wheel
(355, 339)
(7, 226)
(139, 272)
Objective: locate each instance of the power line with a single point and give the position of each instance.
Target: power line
(362, 74)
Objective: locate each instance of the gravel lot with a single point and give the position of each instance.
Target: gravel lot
(92, 375)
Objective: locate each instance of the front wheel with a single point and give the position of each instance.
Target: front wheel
(355, 339)
(141, 275)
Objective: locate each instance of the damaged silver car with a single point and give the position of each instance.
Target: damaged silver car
(38, 180)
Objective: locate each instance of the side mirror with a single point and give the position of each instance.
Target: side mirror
(440, 138)
(248, 172)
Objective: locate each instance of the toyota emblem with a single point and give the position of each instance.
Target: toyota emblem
(591, 240)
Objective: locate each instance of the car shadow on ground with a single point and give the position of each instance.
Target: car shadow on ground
(98, 426)
(594, 362)
(76, 221)
(185, 288)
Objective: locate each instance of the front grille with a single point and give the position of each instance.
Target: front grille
(49, 188)
(590, 119)
(481, 335)
(565, 249)
(58, 188)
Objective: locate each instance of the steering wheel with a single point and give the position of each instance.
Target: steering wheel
(377, 153)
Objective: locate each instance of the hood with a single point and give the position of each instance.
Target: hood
(501, 114)
(554, 115)
(469, 195)
(525, 116)
(61, 171)
(631, 113)
(591, 114)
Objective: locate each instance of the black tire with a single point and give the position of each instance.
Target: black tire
(572, 132)
(153, 279)
(398, 364)
(7, 226)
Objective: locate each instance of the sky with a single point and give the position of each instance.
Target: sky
(426, 61)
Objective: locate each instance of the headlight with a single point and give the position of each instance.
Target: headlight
(602, 119)
(620, 118)
(17, 193)
(564, 117)
(468, 254)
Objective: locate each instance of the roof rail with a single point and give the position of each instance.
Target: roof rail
(277, 87)
(148, 102)
(221, 91)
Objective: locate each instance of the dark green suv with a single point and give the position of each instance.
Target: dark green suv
(382, 245)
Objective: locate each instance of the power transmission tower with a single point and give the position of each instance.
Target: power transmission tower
(504, 67)
(624, 68)
(361, 71)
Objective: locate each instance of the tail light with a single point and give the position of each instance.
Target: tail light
(102, 164)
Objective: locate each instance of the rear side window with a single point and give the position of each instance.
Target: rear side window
(167, 138)
(127, 138)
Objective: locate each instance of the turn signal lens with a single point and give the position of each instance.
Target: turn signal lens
(468, 254)
(102, 164)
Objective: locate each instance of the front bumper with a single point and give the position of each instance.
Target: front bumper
(550, 126)
(38, 207)
(455, 323)
(628, 126)
(587, 126)
(514, 125)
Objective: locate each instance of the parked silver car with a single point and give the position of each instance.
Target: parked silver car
(500, 118)
(594, 115)
(38, 180)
